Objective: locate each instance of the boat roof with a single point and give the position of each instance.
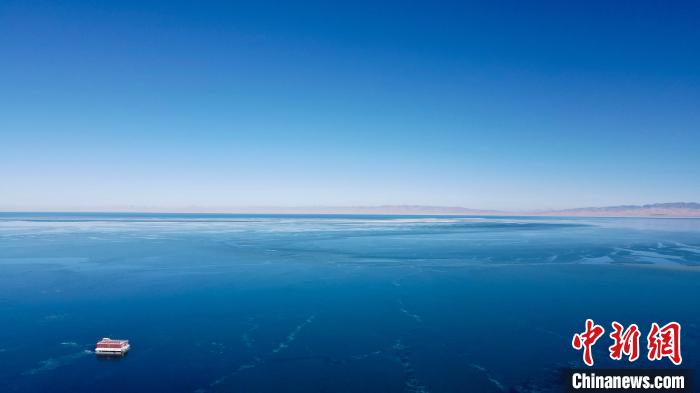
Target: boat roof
(111, 341)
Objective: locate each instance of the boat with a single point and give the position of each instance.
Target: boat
(108, 346)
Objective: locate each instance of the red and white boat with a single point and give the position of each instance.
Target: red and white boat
(107, 346)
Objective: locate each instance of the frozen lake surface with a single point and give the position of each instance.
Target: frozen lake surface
(221, 303)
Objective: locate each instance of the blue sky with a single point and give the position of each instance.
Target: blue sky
(502, 105)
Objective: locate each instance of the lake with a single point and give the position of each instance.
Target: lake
(303, 303)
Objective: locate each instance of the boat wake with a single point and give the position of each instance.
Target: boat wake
(54, 363)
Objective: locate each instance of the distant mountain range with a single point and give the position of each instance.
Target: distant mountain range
(673, 209)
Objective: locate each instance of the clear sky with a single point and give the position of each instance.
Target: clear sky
(506, 105)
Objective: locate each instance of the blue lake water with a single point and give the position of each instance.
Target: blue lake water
(243, 303)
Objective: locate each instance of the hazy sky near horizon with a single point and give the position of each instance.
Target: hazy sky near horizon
(505, 105)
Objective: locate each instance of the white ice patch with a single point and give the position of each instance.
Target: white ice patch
(293, 335)
(694, 250)
(653, 257)
(248, 341)
(64, 261)
(488, 375)
(596, 260)
(411, 315)
(412, 384)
